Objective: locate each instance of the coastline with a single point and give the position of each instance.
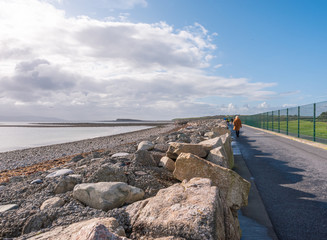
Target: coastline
(101, 124)
(42, 198)
(26, 157)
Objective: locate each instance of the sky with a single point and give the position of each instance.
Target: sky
(160, 59)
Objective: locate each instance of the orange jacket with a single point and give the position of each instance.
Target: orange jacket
(237, 124)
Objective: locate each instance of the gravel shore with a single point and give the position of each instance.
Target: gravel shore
(26, 157)
(40, 197)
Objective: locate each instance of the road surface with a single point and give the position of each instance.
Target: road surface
(291, 178)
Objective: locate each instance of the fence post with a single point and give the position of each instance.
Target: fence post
(298, 121)
(314, 122)
(272, 120)
(279, 121)
(287, 121)
(267, 120)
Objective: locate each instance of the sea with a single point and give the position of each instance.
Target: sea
(20, 135)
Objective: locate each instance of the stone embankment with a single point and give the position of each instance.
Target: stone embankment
(175, 185)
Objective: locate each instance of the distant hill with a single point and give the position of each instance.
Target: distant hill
(128, 120)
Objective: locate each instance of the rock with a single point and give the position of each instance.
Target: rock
(7, 207)
(191, 210)
(59, 173)
(109, 173)
(135, 194)
(144, 158)
(181, 137)
(113, 226)
(120, 154)
(94, 231)
(106, 195)
(140, 173)
(164, 238)
(227, 144)
(223, 140)
(67, 183)
(96, 228)
(211, 134)
(37, 181)
(172, 137)
(176, 148)
(221, 130)
(145, 145)
(157, 156)
(219, 156)
(233, 187)
(37, 221)
(211, 143)
(77, 158)
(167, 163)
(161, 147)
(52, 203)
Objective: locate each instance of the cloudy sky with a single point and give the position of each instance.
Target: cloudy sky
(160, 59)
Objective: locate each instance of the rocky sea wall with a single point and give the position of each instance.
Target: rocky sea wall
(173, 182)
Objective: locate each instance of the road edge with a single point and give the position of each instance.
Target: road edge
(255, 209)
(301, 140)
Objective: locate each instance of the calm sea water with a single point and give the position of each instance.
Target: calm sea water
(15, 138)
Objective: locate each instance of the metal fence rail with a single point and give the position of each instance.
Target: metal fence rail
(307, 121)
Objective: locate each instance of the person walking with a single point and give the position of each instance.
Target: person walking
(237, 125)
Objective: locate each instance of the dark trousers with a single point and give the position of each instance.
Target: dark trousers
(237, 133)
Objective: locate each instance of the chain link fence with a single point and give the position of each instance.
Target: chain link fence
(307, 121)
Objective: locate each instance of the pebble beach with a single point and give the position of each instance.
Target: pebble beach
(26, 157)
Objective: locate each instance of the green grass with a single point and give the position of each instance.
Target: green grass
(306, 128)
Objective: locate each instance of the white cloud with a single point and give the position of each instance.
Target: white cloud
(218, 66)
(107, 68)
(287, 105)
(263, 105)
(110, 4)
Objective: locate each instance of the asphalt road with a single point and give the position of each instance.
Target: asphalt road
(291, 178)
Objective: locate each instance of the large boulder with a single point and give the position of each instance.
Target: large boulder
(176, 148)
(219, 156)
(107, 195)
(189, 210)
(167, 163)
(211, 143)
(97, 228)
(234, 188)
(226, 140)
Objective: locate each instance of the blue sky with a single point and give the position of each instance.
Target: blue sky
(160, 59)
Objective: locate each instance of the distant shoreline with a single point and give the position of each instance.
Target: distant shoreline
(100, 124)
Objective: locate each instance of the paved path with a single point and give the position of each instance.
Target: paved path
(291, 178)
